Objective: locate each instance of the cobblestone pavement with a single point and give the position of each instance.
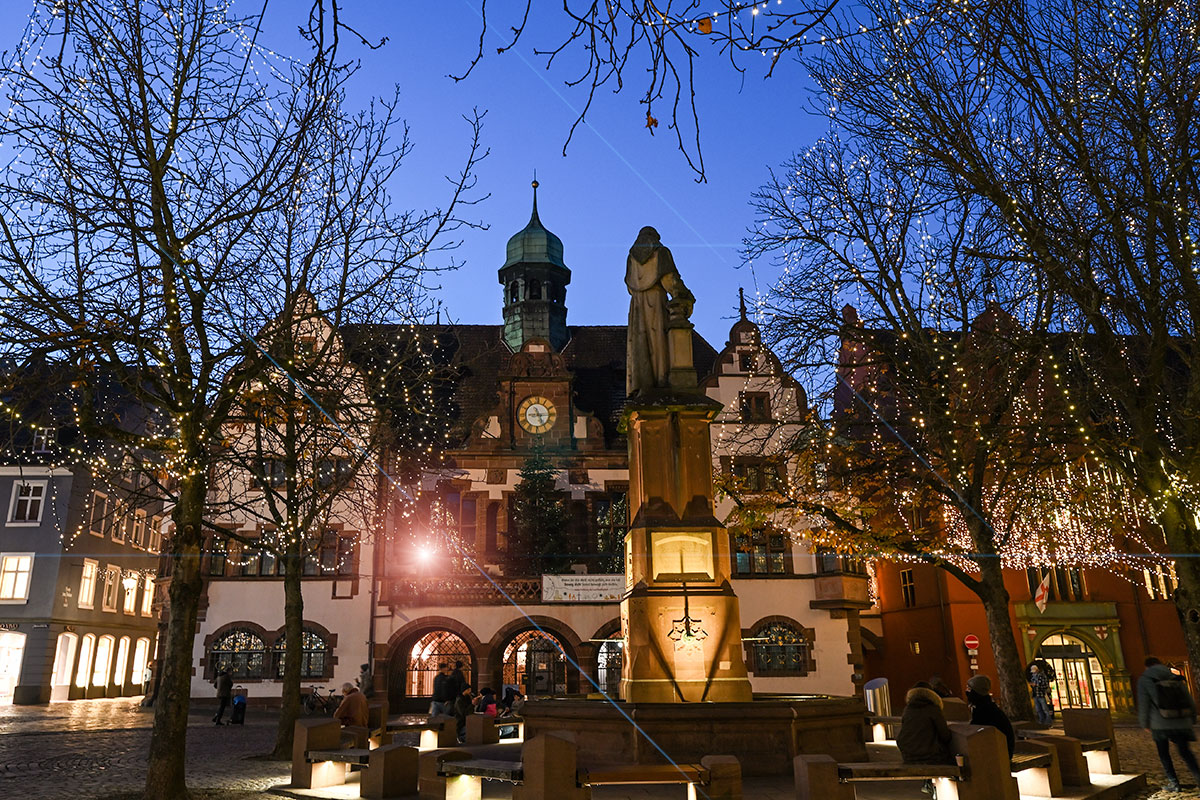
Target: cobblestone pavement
(97, 748)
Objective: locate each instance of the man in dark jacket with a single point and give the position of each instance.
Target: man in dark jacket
(443, 693)
(224, 684)
(459, 679)
(984, 710)
(1167, 711)
(464, 706)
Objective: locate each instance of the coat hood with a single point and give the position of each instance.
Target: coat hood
(920, 696)
(1159, 672)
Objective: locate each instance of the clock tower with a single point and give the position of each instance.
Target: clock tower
(535, 280)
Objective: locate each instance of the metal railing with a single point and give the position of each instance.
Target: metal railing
(463, 590)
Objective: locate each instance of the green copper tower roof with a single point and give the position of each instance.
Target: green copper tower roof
(533, 243)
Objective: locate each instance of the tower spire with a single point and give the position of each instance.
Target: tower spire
(742, 303)
(534, 216)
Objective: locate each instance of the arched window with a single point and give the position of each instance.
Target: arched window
(121, 671)
(514, 292)
(781, 649)
(435, 647)
(608, 665)
(314, 654)
(141, 653)
(64, 658)
(86, 648)
(533, 660)
(104, 654)
(240, 651)
(535, 290)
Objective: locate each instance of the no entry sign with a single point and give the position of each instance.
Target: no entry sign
(971, 641)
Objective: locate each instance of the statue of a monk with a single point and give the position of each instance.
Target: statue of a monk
(651, 277)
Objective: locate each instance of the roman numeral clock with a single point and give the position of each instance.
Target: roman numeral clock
(536, 414)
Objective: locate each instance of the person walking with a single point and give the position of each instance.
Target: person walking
(224, 684)
(1168, 713)
(984, 710)
(443, 693)
(1039, 690)
(353, 709)
(924, 736)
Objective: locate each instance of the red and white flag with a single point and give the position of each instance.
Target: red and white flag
(1043, 593)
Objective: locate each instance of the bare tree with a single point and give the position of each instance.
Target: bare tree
(1075, 124)
(661, 43)
(156, 154)
(946, 412)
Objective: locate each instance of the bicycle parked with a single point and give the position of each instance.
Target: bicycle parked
(316, 703)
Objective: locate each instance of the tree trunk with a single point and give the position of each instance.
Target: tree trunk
(293, 622)
(1010, 668)
(165, 776)
(1183, 538)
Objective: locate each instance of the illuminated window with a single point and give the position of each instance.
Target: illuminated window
(104, 654)
(87, 583)
(1160, 581)
(155, 535)
(121, 522)
(138, 534)
(120, 671)
(781, 649)
(1066, 584)
(762, 551)
(141, 654)
(112, 587)
(435, 647)
(148, 596)
(313, 656)
(86, 648)
(907, 589)
(27, 500)
(131, 594)
(15, 569)
(240, 651)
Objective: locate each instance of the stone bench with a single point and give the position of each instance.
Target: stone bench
(436, 732)
(718, 777)
(1036, 769)
(319, 761)
(983, 771)
(1094, 729)
(483, 729)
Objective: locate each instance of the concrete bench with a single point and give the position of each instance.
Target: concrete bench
(435, 732)
(319, 761)
(1094, 730)
(391, 772)
(1036, 769)
(983, 771)
(316, 735)
(482, 729)
(354, 755)
(719, 777)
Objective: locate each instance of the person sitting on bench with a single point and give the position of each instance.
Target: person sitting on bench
(924, 736)
(354, 707)
(464, 706)
(984, 710)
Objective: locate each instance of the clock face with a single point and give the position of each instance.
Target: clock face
(536, 414)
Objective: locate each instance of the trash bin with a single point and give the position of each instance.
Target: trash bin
(877, 697)
(238, 716)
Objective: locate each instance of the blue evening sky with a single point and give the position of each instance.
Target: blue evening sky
(615, 176)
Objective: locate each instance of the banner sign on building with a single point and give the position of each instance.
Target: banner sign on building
(582, 588)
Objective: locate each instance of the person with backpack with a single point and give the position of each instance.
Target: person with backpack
(1039, 690)
(1166, 711)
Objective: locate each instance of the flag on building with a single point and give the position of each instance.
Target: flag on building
(1043, 593)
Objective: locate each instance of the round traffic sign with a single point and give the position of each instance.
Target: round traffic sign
(971, 641)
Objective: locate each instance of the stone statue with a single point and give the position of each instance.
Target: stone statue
(651, 276)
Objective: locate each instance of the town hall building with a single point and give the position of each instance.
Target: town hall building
(430, 577)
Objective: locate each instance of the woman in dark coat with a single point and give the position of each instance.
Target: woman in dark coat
(984, 710)
(924, 737)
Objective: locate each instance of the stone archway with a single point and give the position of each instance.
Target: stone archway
(522, 654)
(1082, 669)
(415, 650)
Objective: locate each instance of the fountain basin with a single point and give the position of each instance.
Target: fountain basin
(765, 734)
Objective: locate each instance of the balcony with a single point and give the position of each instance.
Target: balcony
(459, 590)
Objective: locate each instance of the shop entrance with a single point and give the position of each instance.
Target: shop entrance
(1079, 676)
(12, 650)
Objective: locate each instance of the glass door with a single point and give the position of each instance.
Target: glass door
(1079, 676)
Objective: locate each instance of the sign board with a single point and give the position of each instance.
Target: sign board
(582, 588)
(971, 641)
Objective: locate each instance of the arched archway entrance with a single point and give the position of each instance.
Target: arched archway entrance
(1079, 675)
(608, 665)
(414, 665)
(533, 660)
